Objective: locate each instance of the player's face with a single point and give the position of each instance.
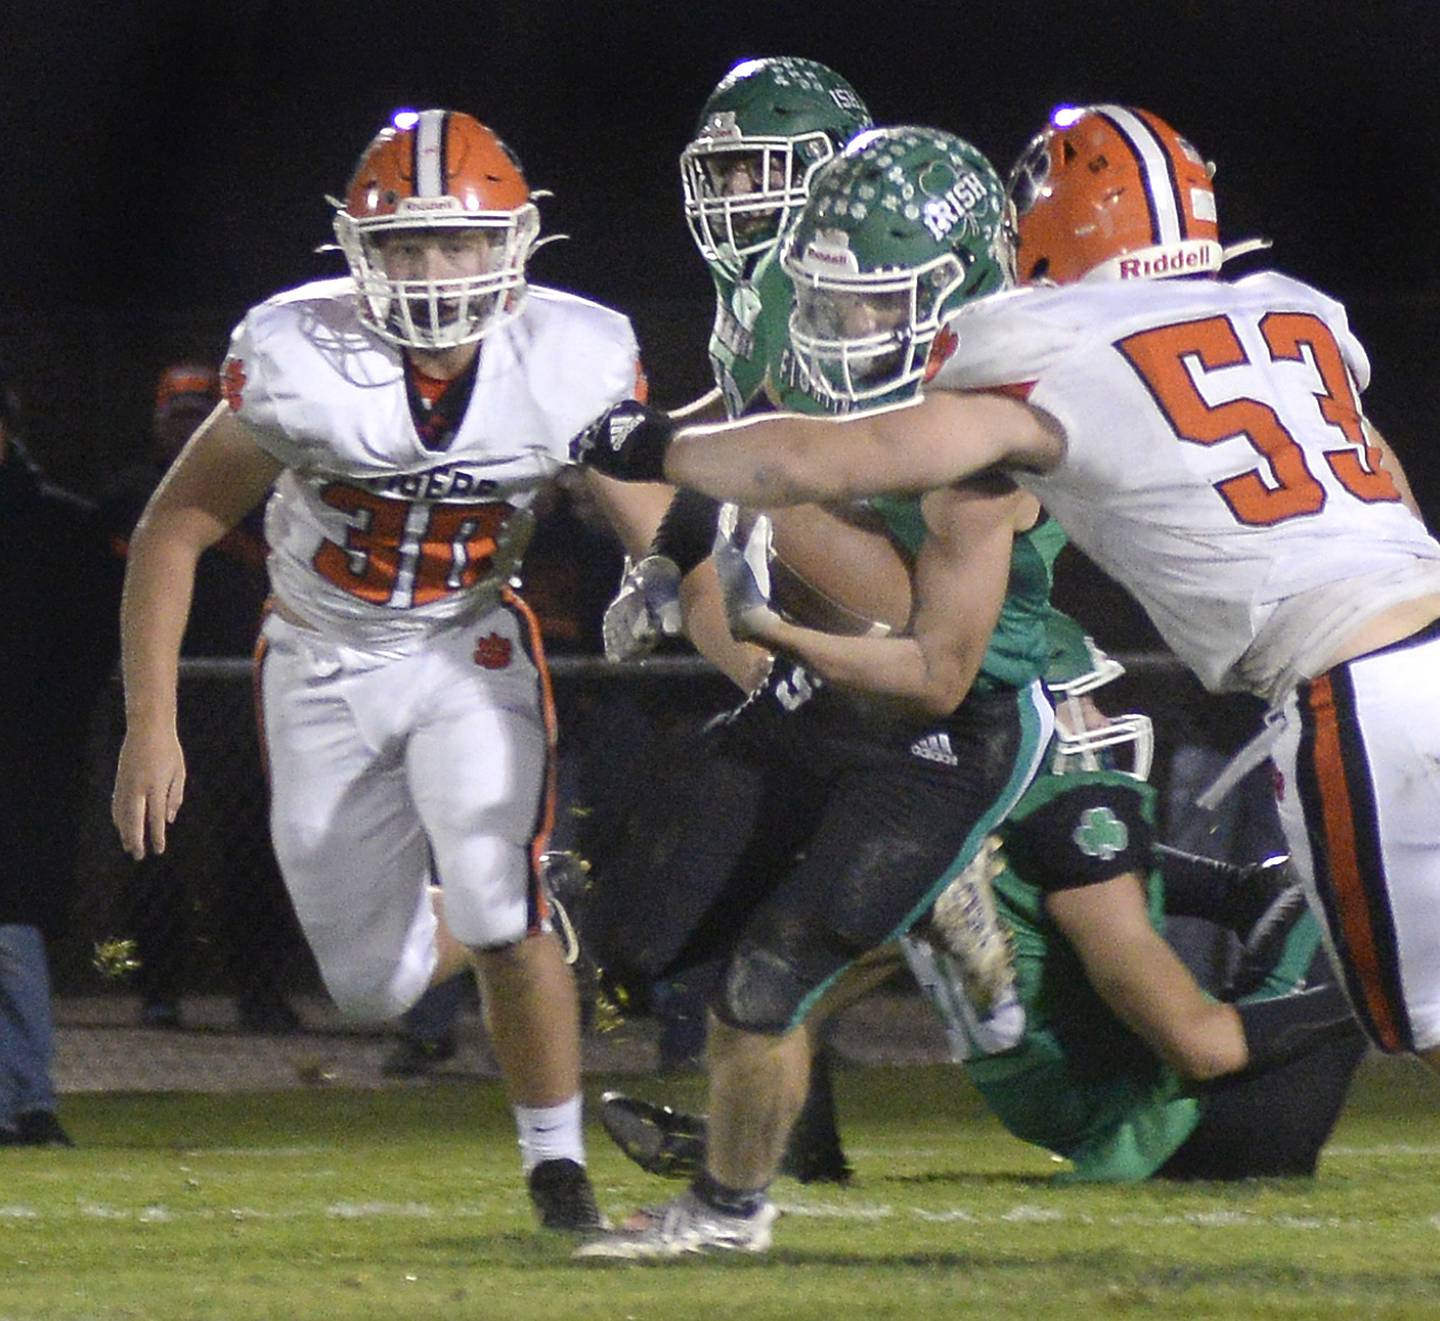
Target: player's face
(736, 173)
(438, 254)
(743, 174)
(852, 316)
(435, 263)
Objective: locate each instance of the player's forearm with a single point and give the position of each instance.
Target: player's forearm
(159, 583)
(1153, 994)
(763, 462)
(894, 668)
(743, 663)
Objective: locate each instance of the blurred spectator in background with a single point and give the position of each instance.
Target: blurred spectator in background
(61, 593)
(236, 880)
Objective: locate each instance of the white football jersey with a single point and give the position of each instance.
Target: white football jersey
(1216, 460)
(375, 537)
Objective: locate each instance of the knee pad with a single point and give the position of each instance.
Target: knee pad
(373, 994)
(487, 885)
(763, 991)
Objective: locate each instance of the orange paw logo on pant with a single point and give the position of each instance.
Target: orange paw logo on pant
(493, 652)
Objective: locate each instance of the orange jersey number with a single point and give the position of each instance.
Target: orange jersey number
(1290, 490)
(450, 552)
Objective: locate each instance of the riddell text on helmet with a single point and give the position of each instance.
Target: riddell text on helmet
(1167, 263)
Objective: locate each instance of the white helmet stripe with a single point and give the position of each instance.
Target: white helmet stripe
(1166, 215)
(430, 154)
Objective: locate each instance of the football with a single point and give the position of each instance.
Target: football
(840, 573)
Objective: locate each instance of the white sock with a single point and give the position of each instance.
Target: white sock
(549, 1132)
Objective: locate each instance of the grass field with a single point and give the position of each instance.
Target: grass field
(342, 1204)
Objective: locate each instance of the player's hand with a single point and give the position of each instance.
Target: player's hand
(646, 609)
(149, 787)
(627, 441)
(742, 563)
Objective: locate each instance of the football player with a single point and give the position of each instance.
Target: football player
(1203, 441)
(764, 131)
(761, 137)
(857, 779)
(407, 416)
(1125, 1068)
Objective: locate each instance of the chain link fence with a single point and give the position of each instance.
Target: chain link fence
(211, 915)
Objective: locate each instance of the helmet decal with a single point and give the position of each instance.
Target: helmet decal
(1167, 215)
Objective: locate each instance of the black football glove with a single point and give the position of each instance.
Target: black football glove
(627, 441)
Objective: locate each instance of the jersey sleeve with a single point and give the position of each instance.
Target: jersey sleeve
(1356, 359)
(256, 390)
(1003, 342)
(1083, 835)
(590, 359)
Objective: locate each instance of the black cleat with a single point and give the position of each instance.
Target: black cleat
(671, 1143)
(821, 1161)
(564, 1198)
(659, 1140)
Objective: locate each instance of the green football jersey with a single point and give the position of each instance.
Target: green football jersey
(752, 320)
(1080, 1083)
(1019, 648)
(749, 350)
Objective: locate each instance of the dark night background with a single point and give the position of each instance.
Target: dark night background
(166, 165)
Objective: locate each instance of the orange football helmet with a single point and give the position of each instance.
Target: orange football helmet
(437, 170)
(1106, 192)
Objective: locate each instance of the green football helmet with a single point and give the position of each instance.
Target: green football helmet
(766, 129)
(1085, 737)
(900, 229)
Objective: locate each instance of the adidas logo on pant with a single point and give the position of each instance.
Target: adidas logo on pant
(936, 747)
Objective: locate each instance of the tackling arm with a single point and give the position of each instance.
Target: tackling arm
(785, 458)
(220, 475)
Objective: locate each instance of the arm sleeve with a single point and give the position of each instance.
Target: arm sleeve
(1085, 835)
(687, 531)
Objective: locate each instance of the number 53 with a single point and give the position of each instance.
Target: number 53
(1159, 357)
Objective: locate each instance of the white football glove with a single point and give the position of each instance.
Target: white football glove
(742, 563)
(646, 609)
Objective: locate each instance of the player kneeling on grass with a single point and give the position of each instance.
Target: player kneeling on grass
(1126, 1067)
